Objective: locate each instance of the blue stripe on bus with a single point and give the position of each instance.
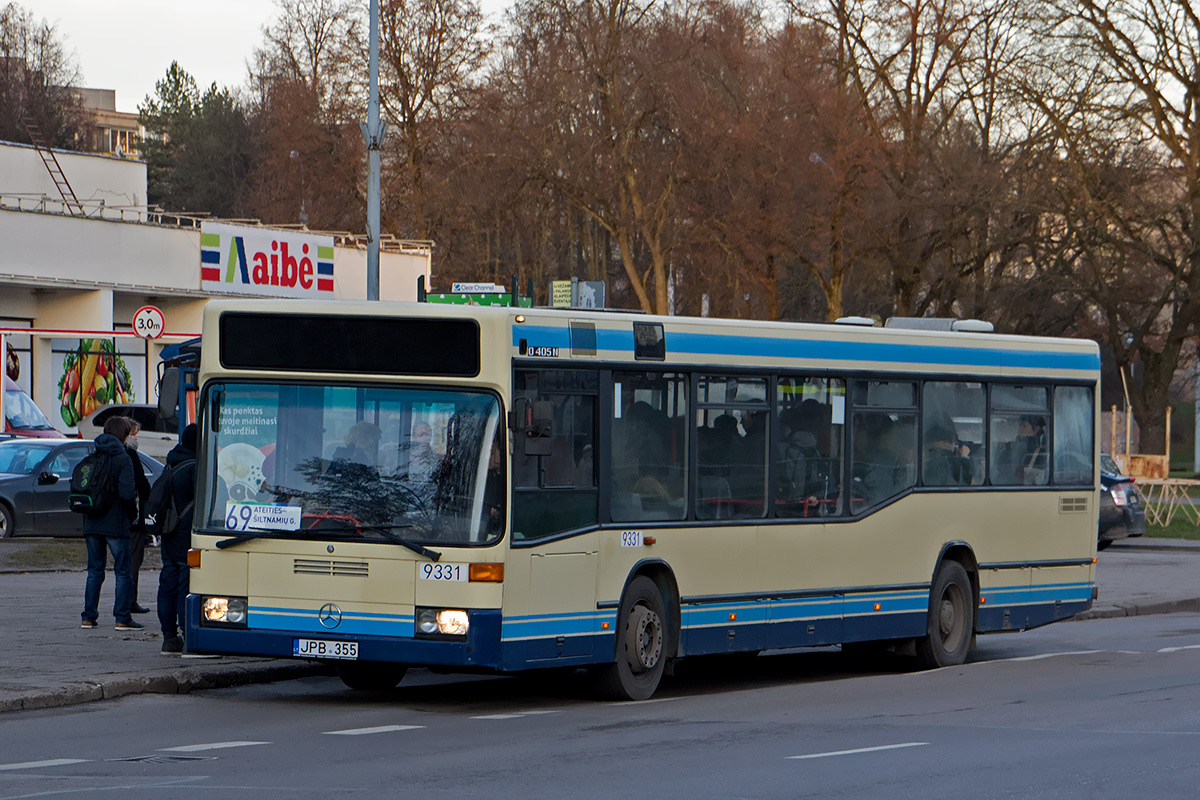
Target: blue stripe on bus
(306, 620)
(822, 350)
(553, 625)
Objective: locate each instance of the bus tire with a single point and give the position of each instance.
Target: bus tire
(371, 676)
(951, 622)
(641, 649)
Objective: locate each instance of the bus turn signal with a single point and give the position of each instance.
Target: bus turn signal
(487, 573)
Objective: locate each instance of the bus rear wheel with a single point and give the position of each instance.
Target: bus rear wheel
(951, 620)
(641, 644)
(371, 676)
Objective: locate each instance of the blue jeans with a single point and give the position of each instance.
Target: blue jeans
(172, 593)
(122, 568)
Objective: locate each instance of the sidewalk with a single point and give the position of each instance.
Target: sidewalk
(48, 660)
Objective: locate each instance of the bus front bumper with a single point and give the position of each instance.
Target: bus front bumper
(478, 649)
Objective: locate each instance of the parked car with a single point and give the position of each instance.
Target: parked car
(1122, 512)
(22, 417)
(157, 436)
(35, 479)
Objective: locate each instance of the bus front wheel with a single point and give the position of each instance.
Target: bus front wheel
(951, 619)
(641, 644)
(371, 676)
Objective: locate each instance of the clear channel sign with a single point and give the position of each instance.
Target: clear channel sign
(149, 322)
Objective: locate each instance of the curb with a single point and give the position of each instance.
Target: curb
(1191, 606)
(179, 681)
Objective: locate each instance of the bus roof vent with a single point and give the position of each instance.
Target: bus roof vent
(920, 323)
(866, 322)
(939, 324)
(972, 326)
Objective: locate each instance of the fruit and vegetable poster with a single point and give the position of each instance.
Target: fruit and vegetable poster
(92, 374)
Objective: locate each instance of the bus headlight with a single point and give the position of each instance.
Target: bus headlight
(442, 622)
(224, 611)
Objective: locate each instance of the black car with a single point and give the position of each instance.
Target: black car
(35, 479)
(1122, 512)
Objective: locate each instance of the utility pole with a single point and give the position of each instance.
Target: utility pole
(373, 136)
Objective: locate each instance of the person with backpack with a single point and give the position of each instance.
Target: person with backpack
(137, 531)
(169, 516)
(106, 525)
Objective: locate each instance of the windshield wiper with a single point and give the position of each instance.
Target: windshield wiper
(388, 532)
(246, 536)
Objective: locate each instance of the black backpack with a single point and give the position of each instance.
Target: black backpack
(93, 484)
(160, 513)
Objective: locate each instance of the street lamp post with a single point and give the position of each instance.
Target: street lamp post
(373, 136)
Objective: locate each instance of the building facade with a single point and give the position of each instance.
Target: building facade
(70, 277)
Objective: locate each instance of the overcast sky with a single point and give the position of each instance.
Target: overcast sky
(127, 45)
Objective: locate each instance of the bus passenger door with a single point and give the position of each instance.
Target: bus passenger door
(554, 517)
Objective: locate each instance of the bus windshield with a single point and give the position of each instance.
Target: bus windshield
(362, 462)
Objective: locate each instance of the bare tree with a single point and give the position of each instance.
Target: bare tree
(36, 79)
(582, 86)
(431, 53)
(1125, 92)
(317, 43)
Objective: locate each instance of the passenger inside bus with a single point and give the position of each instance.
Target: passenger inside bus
(947, 463)
(361, 444)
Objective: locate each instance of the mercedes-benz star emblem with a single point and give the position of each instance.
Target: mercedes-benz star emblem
(330, 615)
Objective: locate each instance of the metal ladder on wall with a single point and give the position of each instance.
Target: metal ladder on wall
(70, 201)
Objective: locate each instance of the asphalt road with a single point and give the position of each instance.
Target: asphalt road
(1105, 708)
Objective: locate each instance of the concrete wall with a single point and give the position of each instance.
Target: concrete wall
(94, 178)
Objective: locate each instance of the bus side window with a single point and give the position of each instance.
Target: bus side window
(884, 440)
(811, 420)
(952, 446)
(1073, 432)
(1020, 447)
(649, 447)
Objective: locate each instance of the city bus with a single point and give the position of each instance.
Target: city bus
(390, 485)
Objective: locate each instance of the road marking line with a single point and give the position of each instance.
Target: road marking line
(518, 714)
(1041, 656)
(54, 762)
(378, 729)
(195, 748)
(862, 750)
(1177, 649)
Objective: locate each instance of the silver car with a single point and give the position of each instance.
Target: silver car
(157, 436)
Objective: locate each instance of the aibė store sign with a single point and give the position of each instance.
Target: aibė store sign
(263, 261)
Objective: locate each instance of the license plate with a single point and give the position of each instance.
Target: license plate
(325, 648)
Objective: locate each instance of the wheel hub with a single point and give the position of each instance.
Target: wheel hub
(645, 639)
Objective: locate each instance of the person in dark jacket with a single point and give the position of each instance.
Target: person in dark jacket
(137, 531)
(173, 579)
(111, 530)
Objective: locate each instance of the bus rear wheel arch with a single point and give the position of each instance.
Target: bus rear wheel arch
(643, 644)
(950, 625)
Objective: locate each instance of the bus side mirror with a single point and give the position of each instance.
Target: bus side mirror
(533, 423)
(168, 394)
